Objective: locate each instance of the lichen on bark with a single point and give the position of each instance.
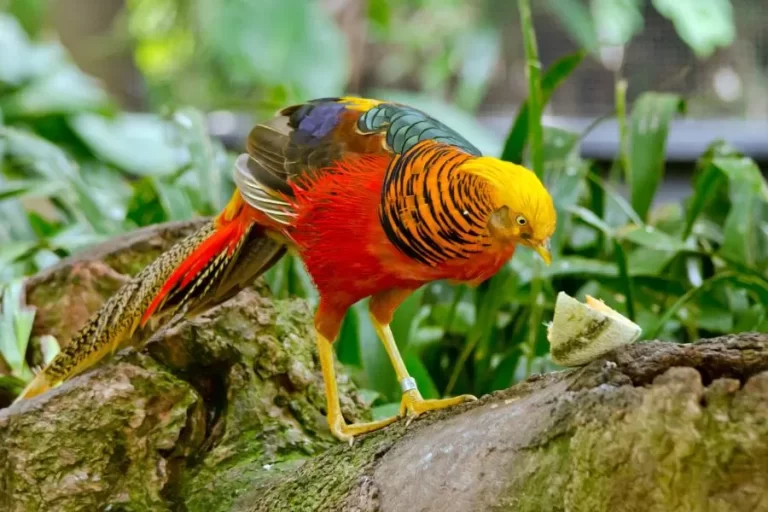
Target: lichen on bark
(225, 412)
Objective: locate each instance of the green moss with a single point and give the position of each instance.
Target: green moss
(675, 450)
(323, 482)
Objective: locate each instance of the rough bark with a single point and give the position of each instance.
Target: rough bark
(225, 412)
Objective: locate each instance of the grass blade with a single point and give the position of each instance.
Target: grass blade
(533, 72)
(651, 116)
(550, 81)
(626, 281)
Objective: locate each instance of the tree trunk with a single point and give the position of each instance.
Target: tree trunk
(225, 412)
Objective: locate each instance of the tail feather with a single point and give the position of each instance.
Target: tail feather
(197, 273)
(214, 251)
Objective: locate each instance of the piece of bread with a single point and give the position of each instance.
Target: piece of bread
(580, 333)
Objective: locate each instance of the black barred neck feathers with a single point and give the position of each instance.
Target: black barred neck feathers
(524, 211)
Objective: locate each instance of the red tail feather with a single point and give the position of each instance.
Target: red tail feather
(231, 226)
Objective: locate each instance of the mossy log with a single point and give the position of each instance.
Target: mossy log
(225, 412)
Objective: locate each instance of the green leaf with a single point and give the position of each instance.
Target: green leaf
(66, 91)
(653, 238)
(29, 150)
(381, 412)
(504, 373)
(590, 218)
(649, 261)
(560, 146)
(145, 207)
(550, 81)
(28, 188)
(31, 14)
(579, 266)
(706, 185)
(290, 43)
(743, 238)
(15, 328)
(76, 237)
(20, 59)
(462, 319)
(651, 115)
(141, 144)
(575, 17)
(753, 283)
(617, 21)
(12, 251)
(743, 170)
(175, 202)
(625, 279)
(206, 157)
(705, 25)
(376, 364)
(616, 198)
(406, 318)
(347, 344)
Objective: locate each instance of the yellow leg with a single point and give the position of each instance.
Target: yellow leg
(412, 403)
(338, 427)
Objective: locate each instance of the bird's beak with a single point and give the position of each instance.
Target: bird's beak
(544, 251)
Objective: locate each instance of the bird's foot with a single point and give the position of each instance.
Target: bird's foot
(412, 404)
(347, 433)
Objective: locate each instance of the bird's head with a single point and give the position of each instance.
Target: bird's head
(523, 211)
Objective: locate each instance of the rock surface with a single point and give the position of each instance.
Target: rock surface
(226, 412)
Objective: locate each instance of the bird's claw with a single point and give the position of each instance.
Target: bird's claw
(347, 433)
(412, 404)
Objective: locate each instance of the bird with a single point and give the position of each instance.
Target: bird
(377, 199)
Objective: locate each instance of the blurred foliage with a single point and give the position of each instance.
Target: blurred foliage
(76, 170)
(704, 25)
(212, 52)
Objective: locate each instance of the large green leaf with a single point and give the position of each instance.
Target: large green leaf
(705, 187)
(32, 152)
(705, 25)
(550, 81)
(65, 91)
(22, 60)
(206, 157)
(745, 241)
(651, 115)
(15, 328)
(140, 144)
(653, 238)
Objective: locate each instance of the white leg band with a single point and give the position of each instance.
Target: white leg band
(408, 384)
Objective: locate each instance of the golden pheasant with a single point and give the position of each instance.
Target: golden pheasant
(376, 198)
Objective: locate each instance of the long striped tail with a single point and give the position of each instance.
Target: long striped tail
(203, 270)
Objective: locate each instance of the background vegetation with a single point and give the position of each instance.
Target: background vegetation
(77, 169)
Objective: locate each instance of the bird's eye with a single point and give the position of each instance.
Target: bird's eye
(521, 221)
